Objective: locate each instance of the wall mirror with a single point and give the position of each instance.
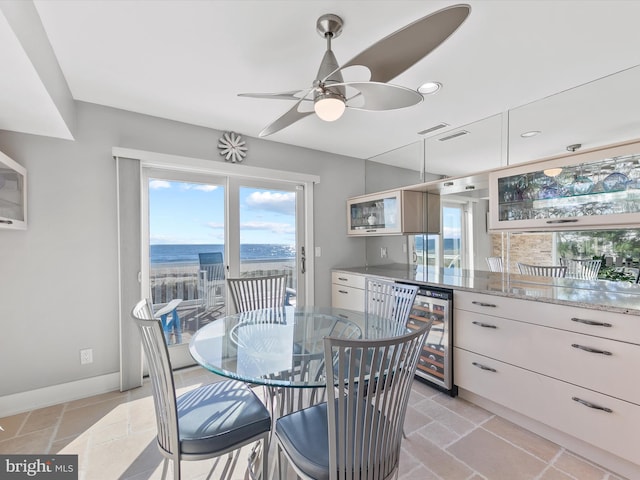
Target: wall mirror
(466, 150)
(598, 113)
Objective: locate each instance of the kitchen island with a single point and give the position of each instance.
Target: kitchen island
(557, 356)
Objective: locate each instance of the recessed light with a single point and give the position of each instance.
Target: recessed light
(429, 88)
(531, 133)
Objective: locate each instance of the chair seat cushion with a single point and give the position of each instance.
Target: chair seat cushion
(305, 437)
(217, 416)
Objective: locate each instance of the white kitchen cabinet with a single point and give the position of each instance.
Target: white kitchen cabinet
(13, 194)
(595, 189)
(347, 290)
(395, 212)
(568, 367)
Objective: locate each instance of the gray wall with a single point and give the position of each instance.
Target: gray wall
(58, 279)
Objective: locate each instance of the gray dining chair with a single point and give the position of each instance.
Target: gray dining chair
(207, 422)
(582, 269)
(543, 270)
(357, 433)
(253, 293)
(387, 299)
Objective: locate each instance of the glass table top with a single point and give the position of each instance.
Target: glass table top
(284, 346)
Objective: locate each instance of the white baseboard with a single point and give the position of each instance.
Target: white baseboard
(55, 394)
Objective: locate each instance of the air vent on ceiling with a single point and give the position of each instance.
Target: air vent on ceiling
(433, 129)
(453, 135)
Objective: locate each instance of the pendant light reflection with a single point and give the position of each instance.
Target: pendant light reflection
(552, 172)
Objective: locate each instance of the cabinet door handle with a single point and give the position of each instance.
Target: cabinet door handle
(371, 231)
(483, 304)
(343, 291)
(563, 220)
(343, 279)
(483, 367)
(591, 405)
(485, 325)
(8, 222)
(589, 349)
(591, 322)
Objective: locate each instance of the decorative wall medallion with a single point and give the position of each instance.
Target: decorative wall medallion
(232, 147)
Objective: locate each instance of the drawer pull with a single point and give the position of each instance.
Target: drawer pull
(343, 291)
(589, 349)
(8, 222)
(343, 279)
(485, 325)
(563, 220)
(483, 367)
(483, 304)
(591, 322)
(591, 405)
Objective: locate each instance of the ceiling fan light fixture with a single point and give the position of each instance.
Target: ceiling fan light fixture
(329, 106)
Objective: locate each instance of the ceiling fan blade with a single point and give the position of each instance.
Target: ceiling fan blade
(383, 96)
(289, 118)
(389, 57)
(291, 95)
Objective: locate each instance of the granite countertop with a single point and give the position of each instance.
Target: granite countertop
(620, 297)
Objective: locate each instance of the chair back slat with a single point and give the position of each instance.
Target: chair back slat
(543, 270)
(495, 264)
(160, 375)
(253, 293)
(367, 407)
(388, 299)
(582, 269)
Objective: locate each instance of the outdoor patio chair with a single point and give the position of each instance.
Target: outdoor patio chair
(543, 270)
(357, 433)
(206, 422)
(211, 279)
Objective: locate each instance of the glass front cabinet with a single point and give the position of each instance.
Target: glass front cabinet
(13, 194)
(391, 213)
(599, 188)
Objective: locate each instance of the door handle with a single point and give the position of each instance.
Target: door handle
(485, 325)
(303, 261)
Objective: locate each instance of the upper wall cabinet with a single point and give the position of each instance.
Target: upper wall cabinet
(13, 194)
(396, 212)
(595, 189)
(596, 114)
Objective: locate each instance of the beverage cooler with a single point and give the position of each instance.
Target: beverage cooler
(435, 366)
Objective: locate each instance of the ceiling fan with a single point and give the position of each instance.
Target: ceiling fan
(385, 60)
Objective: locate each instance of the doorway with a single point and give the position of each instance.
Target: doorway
(199, 230)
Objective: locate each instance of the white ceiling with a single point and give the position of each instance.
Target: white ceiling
(188, 60)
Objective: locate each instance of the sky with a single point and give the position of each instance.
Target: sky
(193, 213)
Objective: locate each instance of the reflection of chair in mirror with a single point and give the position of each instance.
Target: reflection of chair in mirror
(253, 293)
(582, 269)
(211, 280)
(542, 270)
(387, 299)
(357, 432)
(204, 423)
(495, 264)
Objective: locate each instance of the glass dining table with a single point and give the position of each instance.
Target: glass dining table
(282, 347)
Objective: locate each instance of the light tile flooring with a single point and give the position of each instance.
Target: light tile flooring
(448, 439)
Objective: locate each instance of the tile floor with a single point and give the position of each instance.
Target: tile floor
(447, 439)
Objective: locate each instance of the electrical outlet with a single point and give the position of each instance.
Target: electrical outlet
(86, 356)
(383, 252)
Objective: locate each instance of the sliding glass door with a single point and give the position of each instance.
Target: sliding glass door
(203, 229)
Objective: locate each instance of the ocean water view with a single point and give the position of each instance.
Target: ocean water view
(175, 253)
